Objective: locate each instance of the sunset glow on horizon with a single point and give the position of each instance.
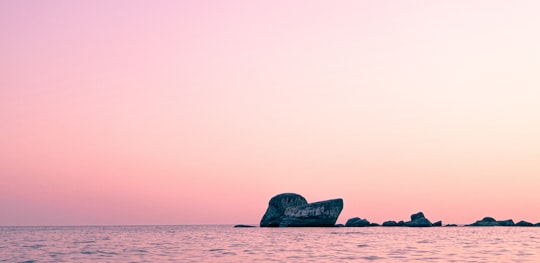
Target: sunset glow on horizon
(198, 112)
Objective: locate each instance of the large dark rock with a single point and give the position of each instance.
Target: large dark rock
(389, 223)
(276, 208)
(418, 220)
(486, 221)
(438, 223)
(357, 222)
(292, 210)
(508, 222)
(524, 223)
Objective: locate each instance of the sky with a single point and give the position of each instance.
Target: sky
(198, 112)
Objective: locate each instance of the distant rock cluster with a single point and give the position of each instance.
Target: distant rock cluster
(417, 220)
(292, 210)
(490, 221)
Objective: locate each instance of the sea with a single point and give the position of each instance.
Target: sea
(223, 243)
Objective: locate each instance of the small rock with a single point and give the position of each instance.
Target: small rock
(508, 222)
(374, 224)
(401, 223)
(451, 225)
(438, 223)
(524, 223)
(417, 215)
(486, 221)
(357, 222)
(419, 222)
(242, 226)
(389, 223)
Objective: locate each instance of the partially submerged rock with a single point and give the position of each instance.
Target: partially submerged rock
(357, 222)
(508, 222)
(524, 223)
(243, 226)
(390, 223)
(292, 210)
(418, 220)
(486, 221)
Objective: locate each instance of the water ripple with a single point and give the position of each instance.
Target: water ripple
(226, 244)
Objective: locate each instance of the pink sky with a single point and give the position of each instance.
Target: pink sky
(187, 112)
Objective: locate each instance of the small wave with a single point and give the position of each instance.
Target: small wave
(84, 242)
(371, 258)
(35, 246)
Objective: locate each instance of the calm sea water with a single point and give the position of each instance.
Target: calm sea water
(223, 243)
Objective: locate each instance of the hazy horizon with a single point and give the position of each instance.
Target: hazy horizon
(198, 112)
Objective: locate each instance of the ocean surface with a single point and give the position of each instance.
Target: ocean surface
(223, 243)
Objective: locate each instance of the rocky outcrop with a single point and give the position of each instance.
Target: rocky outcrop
(418, 220)
(438, 223)
(357, 222)
(292, 210)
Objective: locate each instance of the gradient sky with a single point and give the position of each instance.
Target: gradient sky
(188, 112)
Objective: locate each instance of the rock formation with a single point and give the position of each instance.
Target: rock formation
(292, 210)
